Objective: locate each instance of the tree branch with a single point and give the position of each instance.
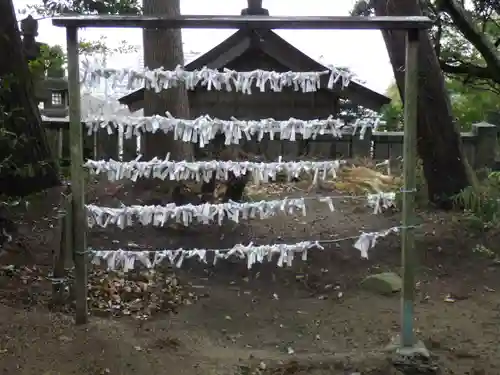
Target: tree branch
(478, 40)
(468, 69)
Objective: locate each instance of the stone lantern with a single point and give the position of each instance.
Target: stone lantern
(51, 89)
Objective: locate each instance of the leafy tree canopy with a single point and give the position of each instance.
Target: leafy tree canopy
(466, 38)
(470, 104)
(52, 59)
(51, 7)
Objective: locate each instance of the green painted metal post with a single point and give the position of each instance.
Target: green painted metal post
(408, 191)
(78, 218)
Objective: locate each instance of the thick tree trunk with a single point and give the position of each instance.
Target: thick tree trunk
(26, 164)
(439, 144)
(163, 48)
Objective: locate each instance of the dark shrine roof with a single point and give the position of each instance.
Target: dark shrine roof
(280, 50)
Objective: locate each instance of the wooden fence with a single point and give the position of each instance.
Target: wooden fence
(480, 145)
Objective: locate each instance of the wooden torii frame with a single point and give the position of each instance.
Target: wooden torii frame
(412, 25)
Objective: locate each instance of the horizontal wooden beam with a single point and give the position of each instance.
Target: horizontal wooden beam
(253, 22)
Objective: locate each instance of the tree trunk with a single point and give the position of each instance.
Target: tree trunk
(163, 48)
(26, 163)
(439, 143)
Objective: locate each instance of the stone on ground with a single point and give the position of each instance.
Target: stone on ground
(385, 283)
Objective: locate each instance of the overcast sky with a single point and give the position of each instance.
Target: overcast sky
(363, 51)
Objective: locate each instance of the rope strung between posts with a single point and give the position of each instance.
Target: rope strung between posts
(202, 130)
(158, 215)
(212, 79)
(126, 260)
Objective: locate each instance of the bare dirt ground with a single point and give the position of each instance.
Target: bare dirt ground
(312, 318)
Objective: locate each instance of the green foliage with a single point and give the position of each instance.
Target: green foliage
(392, 113)
(472, 97)
(52, 7)
(465, 34)
(464, 49)
(482, 206)
(470, 104)
(51, 62)
(100, 46)
(9, 140)
(460, 56)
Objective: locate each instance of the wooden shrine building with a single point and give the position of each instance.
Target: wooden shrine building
(247, 50)
(264, 49)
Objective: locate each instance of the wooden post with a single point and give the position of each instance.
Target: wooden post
(60, 147)
(79, 222)
(64, 257)
(94, 146)
(408, 191)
